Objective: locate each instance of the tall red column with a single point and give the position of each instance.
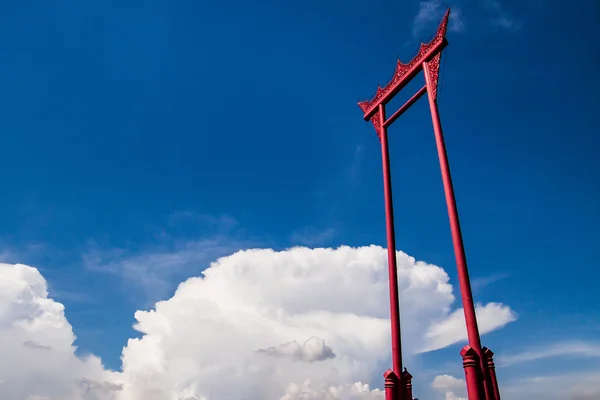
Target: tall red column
(391, 249)
(459, 251)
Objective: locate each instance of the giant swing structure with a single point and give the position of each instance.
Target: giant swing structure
(477, 360)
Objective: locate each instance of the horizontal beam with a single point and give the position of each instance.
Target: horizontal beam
(406, 106)
(410, 74)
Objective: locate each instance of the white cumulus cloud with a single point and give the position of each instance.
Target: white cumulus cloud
(448, 382)
(215, 326)
(36, 345)
(259, 324)
(450, 385)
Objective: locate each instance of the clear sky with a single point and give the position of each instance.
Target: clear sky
(143, 140)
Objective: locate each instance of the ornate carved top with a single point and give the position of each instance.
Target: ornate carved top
(403, 71)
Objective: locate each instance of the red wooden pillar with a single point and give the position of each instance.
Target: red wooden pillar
(459, 248)
(391, 250)
(489, 357)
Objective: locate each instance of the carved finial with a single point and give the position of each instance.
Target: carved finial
(444, 24)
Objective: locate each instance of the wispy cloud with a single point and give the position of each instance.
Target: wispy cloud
(311, 236)
(23, 252)
(480, 283)
(155, 270)
(506, 23)
(571, 385)
(7, 255)
(72, 296)
(222, 223)
(357, 161)
(430, 12)
(457, 21)
(500, 17)
(566, 349)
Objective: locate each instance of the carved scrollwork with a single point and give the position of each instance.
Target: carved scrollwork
(376, 124)
(434, 71)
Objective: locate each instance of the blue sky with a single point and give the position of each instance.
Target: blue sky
(133, 129)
